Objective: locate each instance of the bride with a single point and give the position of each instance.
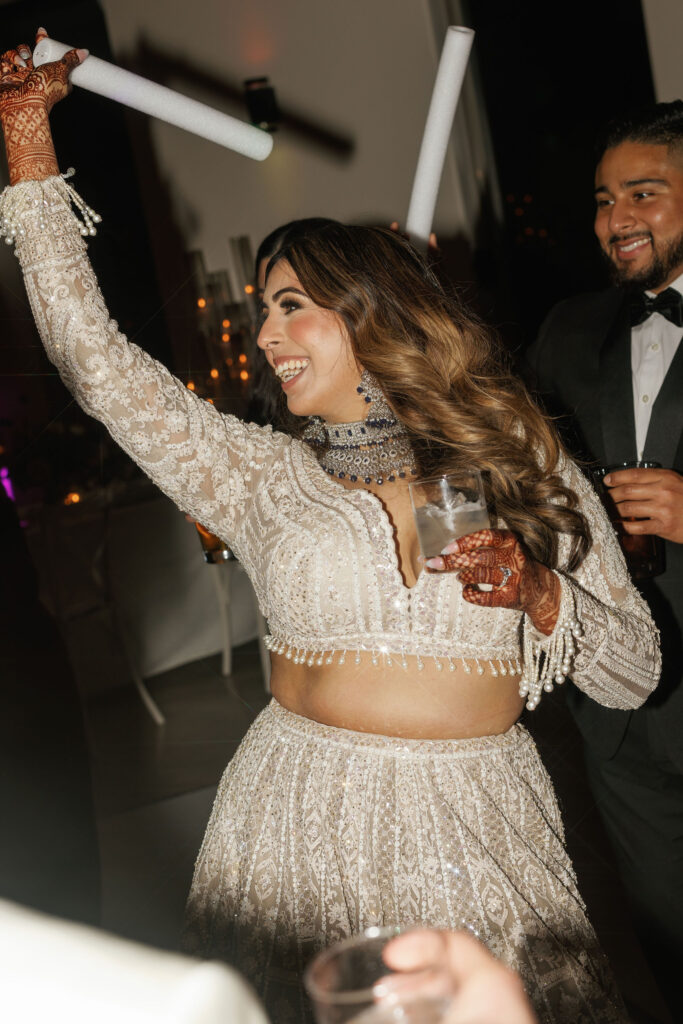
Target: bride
(389, 780)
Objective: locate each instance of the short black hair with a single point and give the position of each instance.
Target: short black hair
(660, 124)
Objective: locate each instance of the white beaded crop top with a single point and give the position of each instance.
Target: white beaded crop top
(322, 558)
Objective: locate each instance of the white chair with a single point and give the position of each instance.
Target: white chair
(223, 574)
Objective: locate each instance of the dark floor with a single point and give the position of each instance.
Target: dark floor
(135, 762)
(154, 788)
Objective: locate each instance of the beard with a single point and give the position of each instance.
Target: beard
(658, 271)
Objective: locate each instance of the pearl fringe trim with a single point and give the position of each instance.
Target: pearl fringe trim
(546, 668)
(309, 656)
(26, 197)
(548, 660)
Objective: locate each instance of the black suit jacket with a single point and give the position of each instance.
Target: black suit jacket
(581, 367)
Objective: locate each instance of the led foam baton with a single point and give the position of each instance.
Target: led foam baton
(133, 91)
(449, 79)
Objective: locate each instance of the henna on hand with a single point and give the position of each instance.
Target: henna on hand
(27, 95)
(483, 557)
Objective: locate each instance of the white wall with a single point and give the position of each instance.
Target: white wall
(364, 68)
(664, 26)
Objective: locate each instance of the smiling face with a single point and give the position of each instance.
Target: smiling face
(309, 351)
(639, 216)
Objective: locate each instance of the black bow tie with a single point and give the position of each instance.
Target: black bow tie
(669, 303)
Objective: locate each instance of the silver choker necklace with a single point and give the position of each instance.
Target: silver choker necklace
(374, 449)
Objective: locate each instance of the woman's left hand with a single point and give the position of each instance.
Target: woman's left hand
(497, 557)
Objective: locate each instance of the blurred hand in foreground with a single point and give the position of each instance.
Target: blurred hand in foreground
(485, 991)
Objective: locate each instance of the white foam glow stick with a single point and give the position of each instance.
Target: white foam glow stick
(449, 79)
(133, 91)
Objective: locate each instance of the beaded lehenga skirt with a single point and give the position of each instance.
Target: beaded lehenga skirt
(319, 832)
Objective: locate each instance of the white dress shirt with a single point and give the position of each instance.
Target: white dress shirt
(653, 346)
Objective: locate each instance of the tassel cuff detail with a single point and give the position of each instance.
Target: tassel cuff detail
(548, 659)
(34, 198)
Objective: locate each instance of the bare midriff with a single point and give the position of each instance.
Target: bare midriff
(394, 701)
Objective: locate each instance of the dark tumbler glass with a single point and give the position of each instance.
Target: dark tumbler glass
(644, 552)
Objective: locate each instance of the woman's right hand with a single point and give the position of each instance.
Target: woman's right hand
(27, 95)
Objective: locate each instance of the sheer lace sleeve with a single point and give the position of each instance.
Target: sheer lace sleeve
(208, 463)
(605, 638)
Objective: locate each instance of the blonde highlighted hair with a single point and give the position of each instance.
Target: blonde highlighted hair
(444, 375)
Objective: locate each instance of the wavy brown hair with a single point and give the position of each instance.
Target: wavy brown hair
(444, 374)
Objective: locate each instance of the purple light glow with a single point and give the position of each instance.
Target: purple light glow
(6, 482)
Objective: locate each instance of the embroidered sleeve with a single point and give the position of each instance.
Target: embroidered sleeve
(208, 463)
(605, 638)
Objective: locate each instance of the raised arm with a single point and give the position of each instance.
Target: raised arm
(207, 463)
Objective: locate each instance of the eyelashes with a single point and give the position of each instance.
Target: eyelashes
(288, 305)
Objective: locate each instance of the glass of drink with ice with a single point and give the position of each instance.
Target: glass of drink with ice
(345, 983)
(447, 507)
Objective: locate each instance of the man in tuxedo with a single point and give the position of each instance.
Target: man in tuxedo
(610, 364)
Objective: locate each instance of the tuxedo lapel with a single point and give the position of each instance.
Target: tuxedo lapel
(666, 424)
(617, 418)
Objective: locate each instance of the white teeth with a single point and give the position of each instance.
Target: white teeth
(285, 371)
(633, 245)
